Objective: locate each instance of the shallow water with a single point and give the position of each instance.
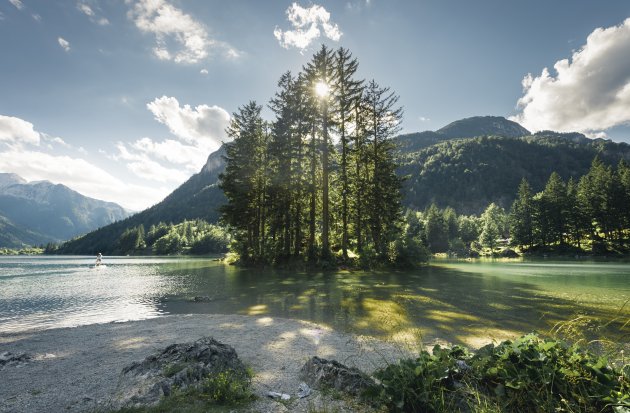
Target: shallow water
(459, 301)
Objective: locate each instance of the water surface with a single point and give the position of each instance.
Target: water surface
(459, 301)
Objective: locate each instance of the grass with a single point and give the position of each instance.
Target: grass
(219, 393)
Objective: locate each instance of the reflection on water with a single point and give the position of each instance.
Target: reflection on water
(461, 302)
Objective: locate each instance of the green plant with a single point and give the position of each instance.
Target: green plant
(529, 374)
(422, 384)
(227, 387)
(216, 393)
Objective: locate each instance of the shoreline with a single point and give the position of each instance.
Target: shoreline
(76, 369)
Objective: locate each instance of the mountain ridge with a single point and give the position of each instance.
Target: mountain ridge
(461, 129)
(39, 212)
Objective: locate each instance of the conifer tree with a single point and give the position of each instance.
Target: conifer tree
(521, 216)
(320, 72)
(242, 181)
(555, 204)
(577, 221)
(383, 118)
(348, 90)
(493, 225)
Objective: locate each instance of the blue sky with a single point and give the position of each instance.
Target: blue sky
(123, 100)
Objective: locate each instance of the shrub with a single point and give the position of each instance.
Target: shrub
(527, 375)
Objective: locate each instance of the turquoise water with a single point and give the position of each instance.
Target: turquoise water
(460, 301)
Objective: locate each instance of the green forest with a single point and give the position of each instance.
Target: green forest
(469, 174)
(319, 182)
(589, 215)
(188, 237)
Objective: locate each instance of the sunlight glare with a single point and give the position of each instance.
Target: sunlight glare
(322, 88)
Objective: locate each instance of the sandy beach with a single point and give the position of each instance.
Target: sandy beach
(77, 369)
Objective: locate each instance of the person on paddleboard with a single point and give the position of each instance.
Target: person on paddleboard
(99, 259)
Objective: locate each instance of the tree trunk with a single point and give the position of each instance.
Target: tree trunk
(325, 200)
(313, 201)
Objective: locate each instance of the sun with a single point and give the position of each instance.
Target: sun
(322, 88)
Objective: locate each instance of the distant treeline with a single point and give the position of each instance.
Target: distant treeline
(22, 251)
(591, 214)
(188, 237)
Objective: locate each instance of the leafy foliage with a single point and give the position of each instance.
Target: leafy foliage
(529, 374)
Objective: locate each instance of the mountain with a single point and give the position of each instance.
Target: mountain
(464, 128)
(41, 212)
(468, 174)
(452, 166)
(15, 237)
(10, 179)
(199, 197)
(481, 126)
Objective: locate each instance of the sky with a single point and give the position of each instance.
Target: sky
(123, 100)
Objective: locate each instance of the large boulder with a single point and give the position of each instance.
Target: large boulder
(177, 366)
(321, 373)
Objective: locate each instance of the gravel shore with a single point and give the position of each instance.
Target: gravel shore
(77, 369)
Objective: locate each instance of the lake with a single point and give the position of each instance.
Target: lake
(464, 302)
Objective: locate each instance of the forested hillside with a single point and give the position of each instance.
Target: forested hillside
(469, 174)
(13, 236)
(197, 198)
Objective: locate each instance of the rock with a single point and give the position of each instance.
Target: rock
(177, 366)
(509, 253)
(9, 359)
(321, 373)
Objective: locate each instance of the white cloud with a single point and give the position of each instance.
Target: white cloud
(144, 167)
(57, 140)
(17, 3)
(204, 126)
(85, 9)
(37, 17)
(81, 176)
(199, 132)
(17, 131)
(171, 26)
(306, 24)
(588, 93)
(89, 11)
(23, 151)
(65, 45)
(204, 71)
(172, 151)
(424, 119)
